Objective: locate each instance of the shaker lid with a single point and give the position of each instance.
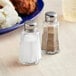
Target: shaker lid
(29, 26)
(50, 16)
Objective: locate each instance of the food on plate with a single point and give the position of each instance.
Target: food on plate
(1, 7)
(25, 7)
(8, 14)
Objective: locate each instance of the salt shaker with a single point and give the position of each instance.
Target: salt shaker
(50, 41)
(30, 49)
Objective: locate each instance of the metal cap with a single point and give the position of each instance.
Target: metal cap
(50, 16)
(29, 26)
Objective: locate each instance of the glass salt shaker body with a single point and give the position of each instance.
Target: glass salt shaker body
(30, 50)
(50, 42)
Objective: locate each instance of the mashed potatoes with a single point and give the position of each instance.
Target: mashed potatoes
(8, 15)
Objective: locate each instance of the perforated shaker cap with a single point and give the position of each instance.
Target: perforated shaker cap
(50, 16)
(30, 26)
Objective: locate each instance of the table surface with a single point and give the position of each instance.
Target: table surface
(61, 64)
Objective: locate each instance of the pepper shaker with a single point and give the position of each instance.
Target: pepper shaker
(50, 41)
